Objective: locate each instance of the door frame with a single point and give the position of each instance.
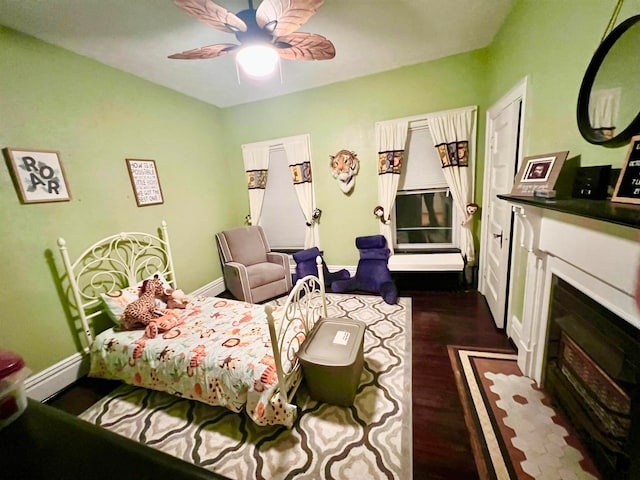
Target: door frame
(517, 93)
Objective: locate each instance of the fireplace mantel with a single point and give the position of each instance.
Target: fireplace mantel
(592, 244)
(619, 213)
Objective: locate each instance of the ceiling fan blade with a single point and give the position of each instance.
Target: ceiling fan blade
(285, 16)
(210, 51)
(305, 46)
(213, 15)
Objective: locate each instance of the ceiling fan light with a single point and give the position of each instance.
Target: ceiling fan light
(257, 60)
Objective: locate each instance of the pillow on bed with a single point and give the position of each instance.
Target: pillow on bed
(116, 301)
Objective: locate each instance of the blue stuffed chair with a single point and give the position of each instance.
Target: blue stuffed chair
(306, 265)
(372, 274)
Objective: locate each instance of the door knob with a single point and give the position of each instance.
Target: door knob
(498, 235)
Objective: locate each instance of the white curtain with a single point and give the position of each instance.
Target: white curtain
(299, 158)
(604, 105)
(451, 132)
(391, 138)
(256, 165)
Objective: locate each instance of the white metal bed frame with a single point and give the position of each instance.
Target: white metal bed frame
(112, 263)
(125, 259)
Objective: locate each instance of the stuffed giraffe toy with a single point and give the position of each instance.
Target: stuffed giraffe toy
(144, 312)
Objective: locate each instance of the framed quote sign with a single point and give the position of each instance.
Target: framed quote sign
(38, 175)
(145, 181)
(628, 186)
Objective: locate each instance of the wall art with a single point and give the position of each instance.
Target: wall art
(38, 175)
(145, 181)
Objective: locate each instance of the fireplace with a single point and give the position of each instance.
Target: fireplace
(592, 370)
(576, 326)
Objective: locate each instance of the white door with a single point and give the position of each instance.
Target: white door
(503, 127)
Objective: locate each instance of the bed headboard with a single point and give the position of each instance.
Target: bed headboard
(113, 263)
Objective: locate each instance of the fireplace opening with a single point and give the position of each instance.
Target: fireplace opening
(592, 371)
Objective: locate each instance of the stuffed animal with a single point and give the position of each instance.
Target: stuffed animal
(174, 298)
(143, 310)
(344, 168)
(162, 324)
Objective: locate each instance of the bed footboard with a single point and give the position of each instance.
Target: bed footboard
(305, 305)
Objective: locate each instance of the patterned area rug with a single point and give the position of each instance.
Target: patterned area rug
(515, 433)
(372, 439)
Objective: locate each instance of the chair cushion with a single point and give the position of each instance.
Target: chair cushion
(306, 265)
(371, 241)
(247, 246)
(264, 273)
(306, 262)
(308, 254)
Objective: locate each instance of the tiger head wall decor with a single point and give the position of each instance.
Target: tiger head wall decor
(344, 168)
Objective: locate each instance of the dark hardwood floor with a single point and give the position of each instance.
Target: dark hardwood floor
(441, 446)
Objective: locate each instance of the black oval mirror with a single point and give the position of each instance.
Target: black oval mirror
(609, 100)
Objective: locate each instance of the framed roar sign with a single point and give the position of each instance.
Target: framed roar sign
(38, 175)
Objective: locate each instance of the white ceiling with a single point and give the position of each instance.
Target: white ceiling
(370, 36)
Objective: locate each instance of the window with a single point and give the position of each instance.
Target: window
(282, 218)
(425, 216)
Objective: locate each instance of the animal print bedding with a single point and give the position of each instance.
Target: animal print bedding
(219, 354)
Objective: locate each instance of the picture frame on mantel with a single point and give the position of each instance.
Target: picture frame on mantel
(627, 189)
(145, 181)
(538, 172)
(38, 175)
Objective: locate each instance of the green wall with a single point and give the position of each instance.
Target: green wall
(96, 116)
(343, 116)
(551, 43)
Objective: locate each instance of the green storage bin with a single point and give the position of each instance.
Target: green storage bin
(332, 359)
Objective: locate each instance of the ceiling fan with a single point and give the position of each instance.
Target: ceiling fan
(272, 27)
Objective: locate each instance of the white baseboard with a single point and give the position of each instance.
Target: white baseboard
(57, 377)
(211, 289)
(515, 332)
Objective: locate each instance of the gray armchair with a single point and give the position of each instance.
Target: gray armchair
(252, 272)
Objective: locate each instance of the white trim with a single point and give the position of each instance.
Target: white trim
(517, 93)
(515, 331)
(45, 384)
(211, 289)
